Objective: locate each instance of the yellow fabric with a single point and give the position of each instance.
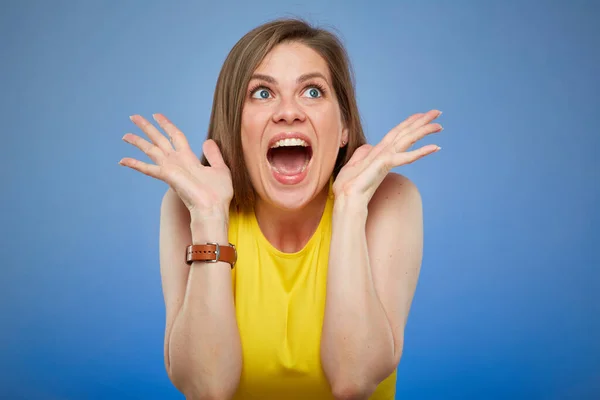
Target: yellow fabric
(280, 299)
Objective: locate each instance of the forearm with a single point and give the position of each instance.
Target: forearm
(357, 346)
(204, 346)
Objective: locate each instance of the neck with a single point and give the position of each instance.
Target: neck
(289, 231)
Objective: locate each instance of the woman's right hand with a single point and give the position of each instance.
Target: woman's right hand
(206, 191)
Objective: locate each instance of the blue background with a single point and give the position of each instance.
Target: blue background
(508, 303)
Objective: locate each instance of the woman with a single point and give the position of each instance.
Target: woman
(328, 240)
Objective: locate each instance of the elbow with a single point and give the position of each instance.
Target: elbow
(351, 390)
(198, 389)
(346, 386)
(200, 378)
(195, 390)
(352, 385)
(179, 381)
(348, 392)
(195, 393)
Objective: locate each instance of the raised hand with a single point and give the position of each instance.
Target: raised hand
(369, 165)
(206, 191)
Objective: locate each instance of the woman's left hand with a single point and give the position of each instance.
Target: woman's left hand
(369, 165)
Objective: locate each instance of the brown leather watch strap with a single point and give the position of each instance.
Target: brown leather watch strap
(211, 252)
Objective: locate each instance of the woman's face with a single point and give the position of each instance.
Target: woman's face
(292, 128)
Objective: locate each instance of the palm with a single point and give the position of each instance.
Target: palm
(190, 179)
(199, 187)
(369, 165)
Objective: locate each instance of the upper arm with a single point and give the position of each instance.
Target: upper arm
(175, 233)
(395, 243)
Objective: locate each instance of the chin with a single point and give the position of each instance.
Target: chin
(291, 197)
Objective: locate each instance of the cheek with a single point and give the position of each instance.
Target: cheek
(249, 134)
(253, 123)
(328, 124)
(252, 130)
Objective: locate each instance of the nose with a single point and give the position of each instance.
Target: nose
(288, 111)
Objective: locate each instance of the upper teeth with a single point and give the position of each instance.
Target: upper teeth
(290, 142)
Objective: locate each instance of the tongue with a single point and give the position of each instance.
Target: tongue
(288, 160)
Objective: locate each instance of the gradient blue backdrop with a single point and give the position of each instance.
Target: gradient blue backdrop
(508, 303)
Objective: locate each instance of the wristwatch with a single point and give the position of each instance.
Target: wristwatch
(211, 252)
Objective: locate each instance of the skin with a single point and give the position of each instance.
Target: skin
(374, 261)
(289, 214)
(376, 244)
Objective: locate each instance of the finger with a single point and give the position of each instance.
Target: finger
(409, 157)
(148, 148)
(423, 120)
(176, 136)
(154, 134)
(404, 142)
(398, 129)
(213, 154)
(144, 168)
(408, 121)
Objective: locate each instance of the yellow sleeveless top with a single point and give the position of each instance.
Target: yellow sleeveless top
(280, 300)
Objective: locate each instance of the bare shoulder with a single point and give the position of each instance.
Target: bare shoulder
(172, 206)
(170, 198)
(395, 210)
(396, 190)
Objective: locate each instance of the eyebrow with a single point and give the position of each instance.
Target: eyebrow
(301, 78)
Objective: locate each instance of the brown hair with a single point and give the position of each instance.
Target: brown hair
(229, 98)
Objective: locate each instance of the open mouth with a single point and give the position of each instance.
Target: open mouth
(289, 160)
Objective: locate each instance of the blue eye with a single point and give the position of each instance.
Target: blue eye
(261, 94)
(313, 92)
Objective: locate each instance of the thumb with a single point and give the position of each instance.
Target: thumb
(213, 154)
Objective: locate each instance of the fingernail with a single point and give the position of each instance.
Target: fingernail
(438, 148)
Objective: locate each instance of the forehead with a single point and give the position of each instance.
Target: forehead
(292, 59)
